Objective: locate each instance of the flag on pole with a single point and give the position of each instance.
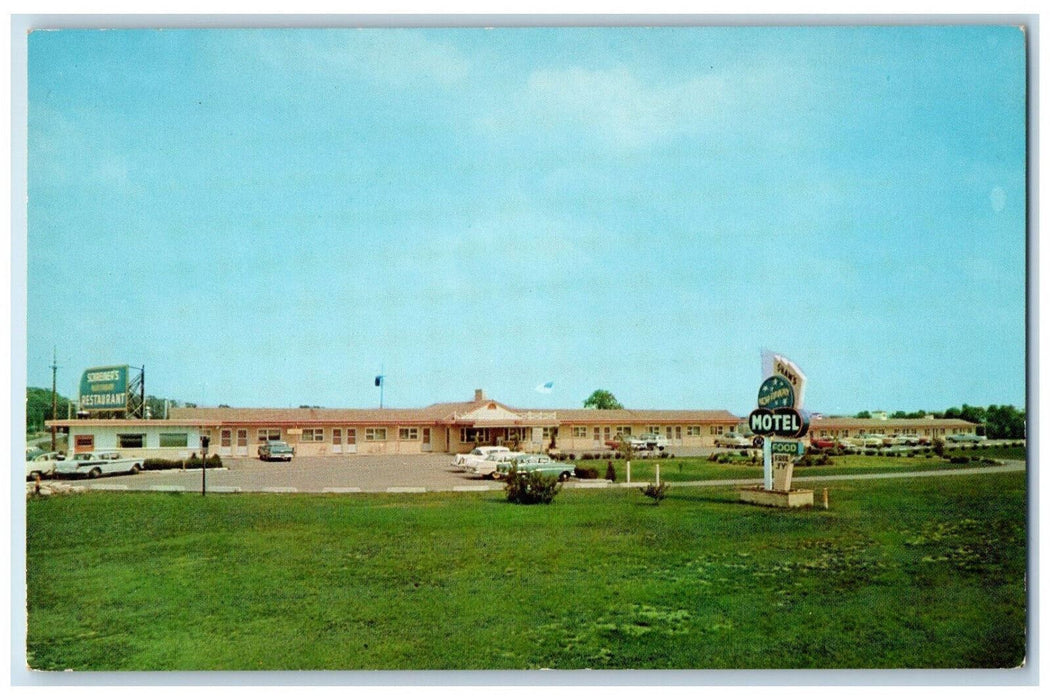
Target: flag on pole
(545, 388)
(379, 380)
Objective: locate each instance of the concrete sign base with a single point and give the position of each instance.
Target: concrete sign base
(798, 498)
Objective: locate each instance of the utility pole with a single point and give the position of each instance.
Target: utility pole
(54, 398)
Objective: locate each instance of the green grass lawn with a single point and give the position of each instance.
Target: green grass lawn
(925, 573)
(679, 469)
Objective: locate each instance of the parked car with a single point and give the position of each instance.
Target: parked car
(488, 468)
(732, 440)
(966, 437)
(537, 463)
(874, 440)
(476, 455)
(905, 440)
(95, 464)
(649, 441)
(43, 464)
(823, 443)
(276, 450)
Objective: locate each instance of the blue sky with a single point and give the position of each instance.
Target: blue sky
(271, 217)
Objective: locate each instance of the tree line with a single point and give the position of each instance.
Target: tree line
(39, 407)
(1000, 422)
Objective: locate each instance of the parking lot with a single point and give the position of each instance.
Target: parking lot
(308, 475)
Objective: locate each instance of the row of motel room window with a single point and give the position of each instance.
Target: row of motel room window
(345, 439)
(320, 440)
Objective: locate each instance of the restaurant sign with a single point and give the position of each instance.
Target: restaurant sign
(104, 389)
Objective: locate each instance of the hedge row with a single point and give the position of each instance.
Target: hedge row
(213, 462)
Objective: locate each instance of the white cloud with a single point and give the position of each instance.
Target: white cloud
(394, 57)
(611, 106)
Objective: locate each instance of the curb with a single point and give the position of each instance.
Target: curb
(341, 489)
(589, 485)
(108, 487)
(166, 487)
(406, 489)
(279, 489)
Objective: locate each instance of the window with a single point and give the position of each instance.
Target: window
(174, 440)
(375, 434)
(84, 443)
(131, 440)
(716, 429)
(547, 432)
(693, 431)
(408, 434)
(474, 435)
(624, 430)
(654, 429)
(579, 431)
(269, 434)
(313, 435)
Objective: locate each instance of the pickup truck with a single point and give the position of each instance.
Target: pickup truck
(649, 441)
(95, 464)
(276, 450)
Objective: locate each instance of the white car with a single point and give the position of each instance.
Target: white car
(476, 455)
(43, 464)
(489, 467)
(874, 440)
(95, 464)
(732, 440)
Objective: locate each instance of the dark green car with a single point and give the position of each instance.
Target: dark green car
(539, 463)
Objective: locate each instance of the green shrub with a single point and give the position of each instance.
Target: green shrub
(657, 493)
(194, 462)
(586, 472)
(528, 488)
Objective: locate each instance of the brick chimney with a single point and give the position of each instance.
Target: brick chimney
(479, 395)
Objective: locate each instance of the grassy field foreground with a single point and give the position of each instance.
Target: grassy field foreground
(925, 573)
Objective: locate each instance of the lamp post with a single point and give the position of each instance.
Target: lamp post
(205, 440)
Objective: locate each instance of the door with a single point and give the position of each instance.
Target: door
(225, 442)
(350, 441)
(242, 442)
(84, 443)
(337, 441)
(427, 447)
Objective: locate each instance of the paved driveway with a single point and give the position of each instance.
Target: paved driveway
(310, 475)
(392, 473)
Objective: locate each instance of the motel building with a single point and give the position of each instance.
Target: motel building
(443, 428)
(440, 428)
(926, 428)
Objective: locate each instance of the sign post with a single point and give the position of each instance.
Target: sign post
(779, 415)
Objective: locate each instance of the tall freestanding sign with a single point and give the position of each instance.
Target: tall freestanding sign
(781, 420)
